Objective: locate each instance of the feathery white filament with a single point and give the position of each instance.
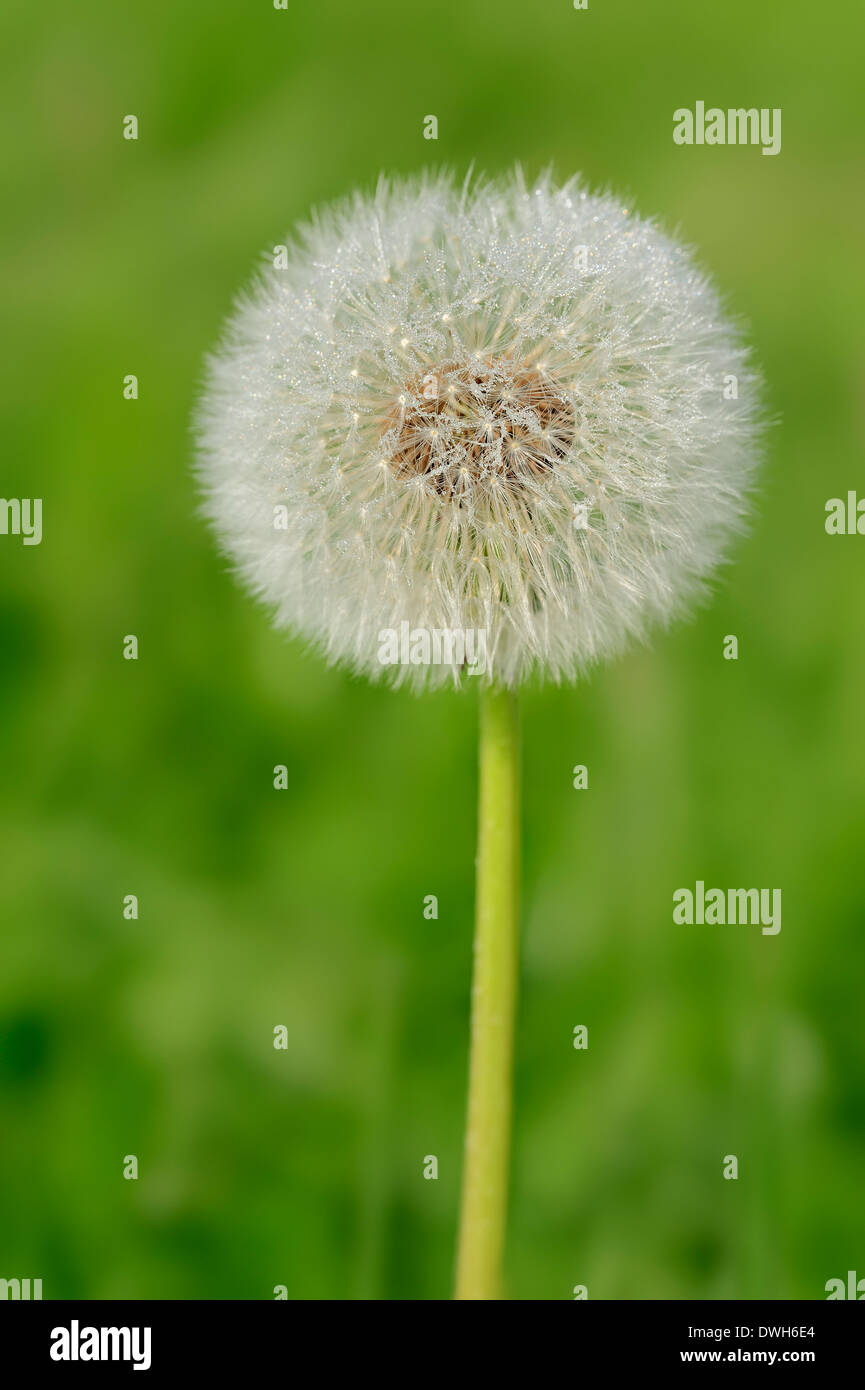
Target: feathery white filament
(491, 407)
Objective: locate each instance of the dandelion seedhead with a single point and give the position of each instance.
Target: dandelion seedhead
(491, 407)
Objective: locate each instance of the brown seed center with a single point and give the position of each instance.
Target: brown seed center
(464, 423)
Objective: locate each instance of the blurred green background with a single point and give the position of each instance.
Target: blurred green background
(305, 907)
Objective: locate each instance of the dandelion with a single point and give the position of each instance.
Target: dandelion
(490, 407)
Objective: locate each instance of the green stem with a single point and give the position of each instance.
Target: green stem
(494, 991)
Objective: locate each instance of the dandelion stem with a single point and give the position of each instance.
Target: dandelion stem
(494, 989)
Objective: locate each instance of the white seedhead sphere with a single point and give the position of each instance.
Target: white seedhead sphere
(492, 408)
